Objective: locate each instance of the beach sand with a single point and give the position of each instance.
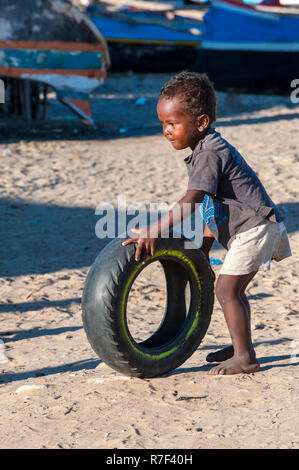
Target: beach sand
(54, 174)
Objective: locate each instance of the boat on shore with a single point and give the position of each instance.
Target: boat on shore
(249, 47)
(146, 37)
(49, 45)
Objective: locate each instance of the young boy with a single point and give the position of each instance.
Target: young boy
(236, 209)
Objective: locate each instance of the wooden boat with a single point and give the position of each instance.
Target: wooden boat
(147, 39)
(49, 45)
(243, 46)
(254, 47)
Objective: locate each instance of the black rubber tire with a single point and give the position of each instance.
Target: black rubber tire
(105, 298)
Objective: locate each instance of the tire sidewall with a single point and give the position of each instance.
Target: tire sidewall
(154, 361)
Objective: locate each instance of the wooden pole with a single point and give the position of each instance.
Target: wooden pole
(45, 101)
(26, 98)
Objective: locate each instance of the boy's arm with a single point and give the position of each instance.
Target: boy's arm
(148, 236)
(207, 241)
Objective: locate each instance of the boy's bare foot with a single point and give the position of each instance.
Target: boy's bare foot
(236, 365)
(221, 355)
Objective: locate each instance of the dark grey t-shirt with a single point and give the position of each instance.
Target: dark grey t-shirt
(236, 200)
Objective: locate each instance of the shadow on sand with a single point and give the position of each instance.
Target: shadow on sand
(117, 116)
(40, 239)
(63, 368)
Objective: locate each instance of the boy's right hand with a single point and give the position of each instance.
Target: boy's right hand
(207, 243)
(146, 245)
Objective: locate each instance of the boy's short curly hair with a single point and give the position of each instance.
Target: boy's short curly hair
(197, 92)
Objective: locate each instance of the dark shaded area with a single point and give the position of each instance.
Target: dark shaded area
(117, 116)
(260, 295)
(92, 364)
(263, 360)
(142, 58)
(40, 239)
(245, 71)
(14, 130)
(249, 71)
(37, 238)
(38, 305)
(261, 120)
(256, 343)
(269, 359)
(37, 332)
(63, 368)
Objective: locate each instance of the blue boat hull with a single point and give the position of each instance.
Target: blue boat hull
(249, 71)
(246, 71)
(239, 47)
(228, 23)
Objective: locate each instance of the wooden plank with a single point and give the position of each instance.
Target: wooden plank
(28, 59)
(67, 46)
(18, 73)
(26, 98)
(35, 100)
(45, 102)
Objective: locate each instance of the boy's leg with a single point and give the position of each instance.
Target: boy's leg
(228, 352)
(228, 291)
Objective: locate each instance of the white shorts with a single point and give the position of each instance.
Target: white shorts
(256, 248)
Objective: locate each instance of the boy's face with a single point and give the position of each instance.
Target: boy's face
(181, 129)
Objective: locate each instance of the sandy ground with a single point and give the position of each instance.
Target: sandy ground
(53, 175)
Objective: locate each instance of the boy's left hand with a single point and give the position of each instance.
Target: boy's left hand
(146, 245)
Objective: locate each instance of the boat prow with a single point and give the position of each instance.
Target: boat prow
(57, 46)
